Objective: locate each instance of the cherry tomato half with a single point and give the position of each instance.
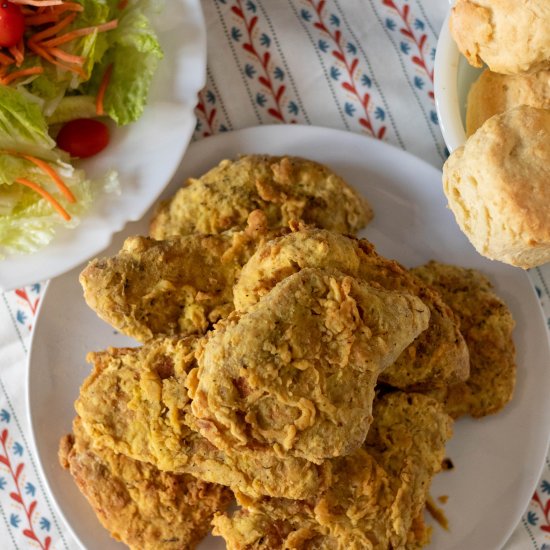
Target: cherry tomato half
(83, 137)
(12, 24)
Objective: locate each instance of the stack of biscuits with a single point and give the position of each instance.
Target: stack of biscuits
(283, 363)
(498, 183)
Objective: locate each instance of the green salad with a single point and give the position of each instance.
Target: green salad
(64, 67)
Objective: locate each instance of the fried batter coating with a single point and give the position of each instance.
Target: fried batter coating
(284, 188)
(135, 402)
(297, 371)
(181, 285)
(139, 505)
(487, 325)
(376, 496)
(438, 355)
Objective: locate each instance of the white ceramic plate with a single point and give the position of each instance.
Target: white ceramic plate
(145, 154)
(453, 77)
(498, 460)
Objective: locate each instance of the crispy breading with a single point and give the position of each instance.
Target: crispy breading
(296, 373)
(284, 188)
(139, 505)
(438, 355)
(181, 285)
(135, 402)
(376, 496)
(487, 325)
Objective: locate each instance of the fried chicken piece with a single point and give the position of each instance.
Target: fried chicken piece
(284, 188)
(135, 403)
(376, 496)
(296, 372)
(487, 325)
(138, 505)
(181, 285)
(438, 355)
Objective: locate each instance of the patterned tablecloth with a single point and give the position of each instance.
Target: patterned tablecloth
(365, 66)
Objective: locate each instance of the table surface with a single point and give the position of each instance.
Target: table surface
(365, 66)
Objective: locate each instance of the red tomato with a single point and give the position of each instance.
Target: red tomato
(12, 24)
(83, 137)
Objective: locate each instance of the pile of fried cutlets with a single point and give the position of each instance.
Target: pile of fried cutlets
(285, 366)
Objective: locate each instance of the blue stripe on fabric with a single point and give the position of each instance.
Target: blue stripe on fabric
(9, 529)
(440, 151)
(15, 324)
(323, 67)
(228, 124)
(236, 58)
(285, 64)
(375, 80)
(33, 464)
(425, 16)
(527, 528)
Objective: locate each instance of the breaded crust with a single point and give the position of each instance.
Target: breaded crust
(376, 496)
(135, 403)
(178, 286)
(284, 188)
(139, 505)
(296, 373)
(487, 325)
(438, 354)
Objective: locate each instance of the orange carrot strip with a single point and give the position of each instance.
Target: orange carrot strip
(20, 74)
(37, 3)
(17, 54)
(64, 56)
(67, 6)
(43, 53)
(44, 166)
(102, 89)
(41, 19)
(52, 31)
(6, 59)
(64, 38)
(35, 187)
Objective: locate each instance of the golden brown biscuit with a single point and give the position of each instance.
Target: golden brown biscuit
(376, 496)
(494, 93)
(498, 187)
(284, 188)
(487, 325)
(510, 36)
(139, 505)
(296, 372)
(438, 354)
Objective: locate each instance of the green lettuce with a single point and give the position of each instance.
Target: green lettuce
(28, 221)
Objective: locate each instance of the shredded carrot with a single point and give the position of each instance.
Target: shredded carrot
(67, 6)
(64, 38)
(52, 31)
(37, 3)
(44, 166)
(64, 56)
(17, 54)
(5, 80)
(6, 59)
(40, 19)
(44, 53)
(102, 89)
(35, 187)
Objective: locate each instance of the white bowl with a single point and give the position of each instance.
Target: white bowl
(453, 76)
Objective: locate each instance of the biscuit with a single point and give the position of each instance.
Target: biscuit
(495, 93)
(486, 324)
(510, 36)
(498, 187)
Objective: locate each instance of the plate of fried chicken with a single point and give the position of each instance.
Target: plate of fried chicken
(297, 348)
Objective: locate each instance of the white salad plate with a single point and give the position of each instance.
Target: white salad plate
(145, 153)
(497, 460)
